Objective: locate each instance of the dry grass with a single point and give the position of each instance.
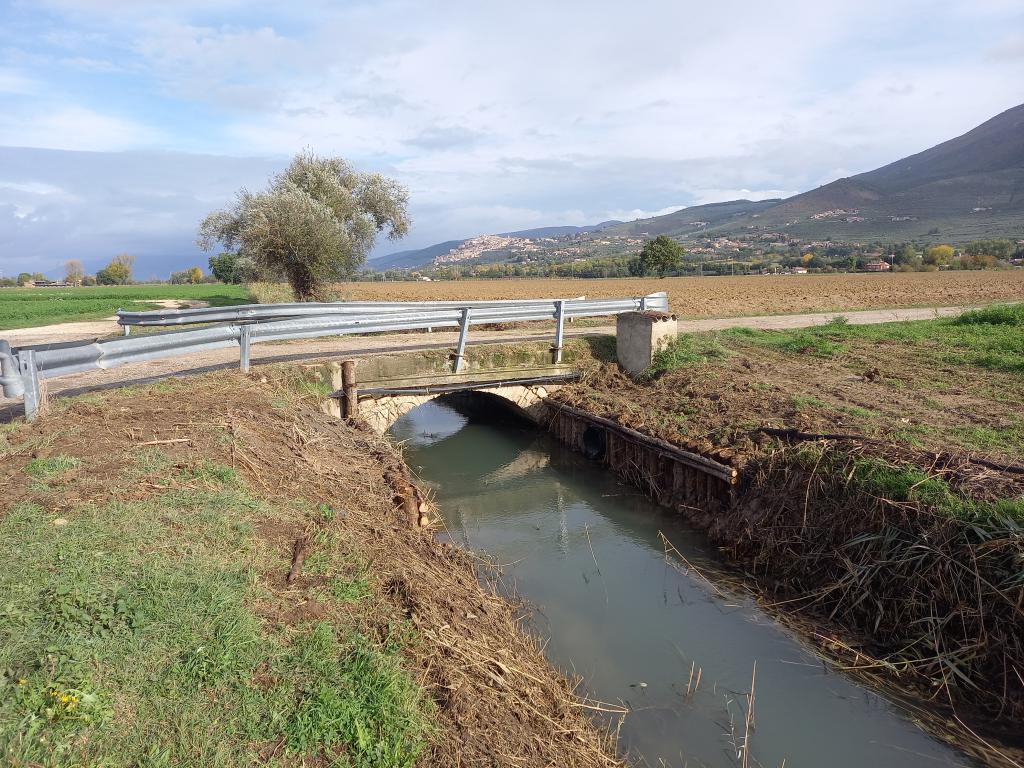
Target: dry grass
(730, 296)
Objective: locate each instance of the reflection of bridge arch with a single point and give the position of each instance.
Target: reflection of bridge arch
(381, 411)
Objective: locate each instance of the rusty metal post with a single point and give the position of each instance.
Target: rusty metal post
(350, 409)
(460, 350)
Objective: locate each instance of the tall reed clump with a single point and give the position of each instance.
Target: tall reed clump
(265, 292)
(929, 573)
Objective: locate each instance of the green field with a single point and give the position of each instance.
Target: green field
(29, 307)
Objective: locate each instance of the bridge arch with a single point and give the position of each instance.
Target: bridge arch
(527, 400)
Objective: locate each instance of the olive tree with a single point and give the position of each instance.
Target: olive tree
(315, 223)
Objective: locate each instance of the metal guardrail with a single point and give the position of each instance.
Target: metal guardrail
(258, 312)
(21, 370)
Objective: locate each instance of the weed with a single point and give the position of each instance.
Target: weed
(52, 466)
(213, 473)
(998, 314)
(685, 350)
(152, 461)
(350, 590)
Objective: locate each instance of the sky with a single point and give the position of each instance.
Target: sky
(122, 124)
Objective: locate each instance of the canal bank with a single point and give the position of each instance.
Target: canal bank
(645, 630)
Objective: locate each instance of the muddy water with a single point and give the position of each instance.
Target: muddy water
(584, 550)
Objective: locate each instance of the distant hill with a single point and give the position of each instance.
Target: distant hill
(691, 220)
(968, 187)
(560, 231)
(421, 257)
(414, 258)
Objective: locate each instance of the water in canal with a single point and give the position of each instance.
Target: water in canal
(584, 550)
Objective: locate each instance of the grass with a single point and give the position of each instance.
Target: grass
(912, 486)
(685, 350)
(28, 307)
(988, 338)
(131, 634)
(55, 465)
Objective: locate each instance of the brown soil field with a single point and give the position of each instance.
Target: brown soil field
(731, 296)
(495, 701)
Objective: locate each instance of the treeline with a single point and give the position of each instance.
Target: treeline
(906, 257)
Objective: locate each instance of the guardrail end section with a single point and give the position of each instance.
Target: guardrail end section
(10, 372)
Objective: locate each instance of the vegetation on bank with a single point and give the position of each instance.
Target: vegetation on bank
(148, 612)
(28, 307)
(212, 571)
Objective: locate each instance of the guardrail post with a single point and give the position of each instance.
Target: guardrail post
(244, 342)
(556, 351)
(30, 379)
(643, 303)
(127, 328)
(460, 350)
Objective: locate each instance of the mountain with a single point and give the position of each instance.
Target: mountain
(413, 258)
(560, 231)
(691, 220)
(421, 257)
(966, 188)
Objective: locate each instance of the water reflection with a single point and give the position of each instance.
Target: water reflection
(585, 550)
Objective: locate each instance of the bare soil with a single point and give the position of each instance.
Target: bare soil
(498, 702)
(732, 296)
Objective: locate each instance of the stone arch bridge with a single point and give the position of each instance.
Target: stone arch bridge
(386, 387)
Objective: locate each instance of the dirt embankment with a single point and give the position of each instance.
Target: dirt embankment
(491, 698)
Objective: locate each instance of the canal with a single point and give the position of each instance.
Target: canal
(676, 649)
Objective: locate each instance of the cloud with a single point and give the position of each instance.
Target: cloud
(497, 117)
(73, 128)
(56, 205)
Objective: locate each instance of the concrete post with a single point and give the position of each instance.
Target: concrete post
(641, 335)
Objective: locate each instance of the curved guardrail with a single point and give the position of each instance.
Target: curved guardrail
(21, 370)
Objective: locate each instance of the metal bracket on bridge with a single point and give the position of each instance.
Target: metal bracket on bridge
(460, 350)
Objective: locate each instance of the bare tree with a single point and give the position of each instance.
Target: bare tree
(74, 272)
(315, 223)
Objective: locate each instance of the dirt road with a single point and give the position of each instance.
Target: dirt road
(335, 347)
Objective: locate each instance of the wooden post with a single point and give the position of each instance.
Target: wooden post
(348, 387)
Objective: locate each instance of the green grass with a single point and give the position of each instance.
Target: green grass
(28, 307)
(55, 465)
(130, 635)
(989, 338)
(910, 485)
(687, 349)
